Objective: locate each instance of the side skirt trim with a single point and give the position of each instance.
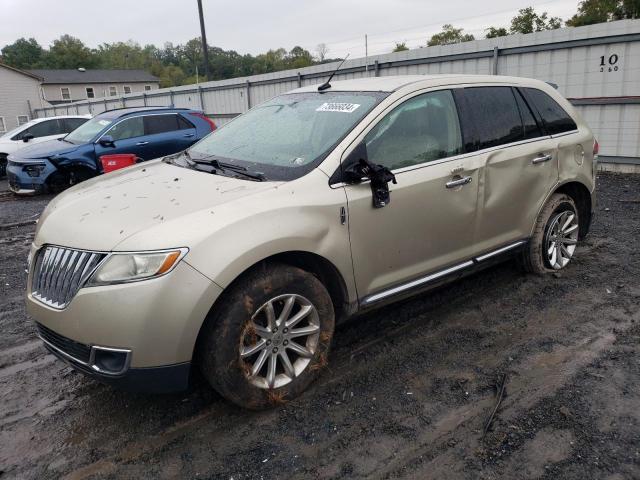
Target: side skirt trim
(438, 275)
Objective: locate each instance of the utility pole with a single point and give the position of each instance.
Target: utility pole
(366, 54)
(205, 48)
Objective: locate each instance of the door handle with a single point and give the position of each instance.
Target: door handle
(141, 143)
(189, 135)
(458, 182)
(542, 159)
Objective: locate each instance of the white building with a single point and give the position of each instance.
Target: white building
(19, 96)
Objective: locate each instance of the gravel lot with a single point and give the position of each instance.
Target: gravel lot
(406, 394)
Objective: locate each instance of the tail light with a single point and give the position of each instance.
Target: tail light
(596, 150)
(205, 118)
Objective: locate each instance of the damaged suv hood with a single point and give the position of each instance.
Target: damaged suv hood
(102, 213)
(46, 149)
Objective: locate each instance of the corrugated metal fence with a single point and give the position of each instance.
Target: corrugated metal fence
(597, 67)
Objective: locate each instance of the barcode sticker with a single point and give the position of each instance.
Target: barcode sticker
(337, 107)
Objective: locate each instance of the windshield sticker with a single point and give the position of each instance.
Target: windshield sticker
(337, 107)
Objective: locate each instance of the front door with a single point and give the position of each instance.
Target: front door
(428, 225)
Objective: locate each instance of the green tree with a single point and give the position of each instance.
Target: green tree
(23, 53)
(400, 47)
(70, 52)
(172, 76)
(449, 35)
(528, 21)
(599, 11)
(493, 32)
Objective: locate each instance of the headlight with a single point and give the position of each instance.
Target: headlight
(132, 267)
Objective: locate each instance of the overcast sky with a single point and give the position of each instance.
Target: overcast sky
(254, 26)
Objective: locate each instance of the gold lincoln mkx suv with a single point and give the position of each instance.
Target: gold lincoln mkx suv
(240, 254)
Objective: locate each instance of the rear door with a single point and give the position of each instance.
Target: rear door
(519, 160)
(167, 133)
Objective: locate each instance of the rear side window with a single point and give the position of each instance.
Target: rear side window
(70, 124)
(494, 117)
(555, 119)
(183, 123)
(154, 124)
(531, 127)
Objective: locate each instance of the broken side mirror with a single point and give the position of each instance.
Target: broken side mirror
(358, 167)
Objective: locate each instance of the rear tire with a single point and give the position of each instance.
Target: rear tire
(554, 237)
(3, 164)
(269, 337)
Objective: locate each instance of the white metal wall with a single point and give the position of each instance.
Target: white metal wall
(597, 67)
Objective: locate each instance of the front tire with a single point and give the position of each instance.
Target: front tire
(554, 238)
(269, 338)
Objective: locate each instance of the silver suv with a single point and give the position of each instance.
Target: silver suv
(241, 253)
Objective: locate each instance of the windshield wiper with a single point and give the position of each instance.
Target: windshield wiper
(222, 166)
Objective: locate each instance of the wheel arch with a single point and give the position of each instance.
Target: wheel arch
(581, 196)
(315, 264)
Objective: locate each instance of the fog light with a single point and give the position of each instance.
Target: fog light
(111, 361)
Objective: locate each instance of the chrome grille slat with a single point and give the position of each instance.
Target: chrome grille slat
(58, 274)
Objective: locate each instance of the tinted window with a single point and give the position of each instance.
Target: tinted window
(160, 124)
(184, 124)
(129, 128)
(43, 129)
(422, 129)
(555, 119)
(494, 116)
(531, 128)
(70, 124)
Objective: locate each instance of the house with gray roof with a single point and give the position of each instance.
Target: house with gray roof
(19, 96)
(64, 86)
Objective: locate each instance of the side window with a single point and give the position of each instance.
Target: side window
(183, 123)
(422, 129)
(494, 115)
(129, 128)
(160, 124)
(555, 119)
(70, 124)
(531, 128)
(43, 129)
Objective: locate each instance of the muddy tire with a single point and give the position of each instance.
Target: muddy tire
(554, 237)
(269, 337)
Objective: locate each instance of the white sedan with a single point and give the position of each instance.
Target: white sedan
(35, 131)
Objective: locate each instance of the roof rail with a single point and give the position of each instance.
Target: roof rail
(150, 107)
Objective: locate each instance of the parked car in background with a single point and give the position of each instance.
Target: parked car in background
(149, 132)
(241, 253)
(36, 131)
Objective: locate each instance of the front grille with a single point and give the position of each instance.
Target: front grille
(78, 351)
(60, 272)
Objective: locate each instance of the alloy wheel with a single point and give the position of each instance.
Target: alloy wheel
(561, 239)
(279, 341)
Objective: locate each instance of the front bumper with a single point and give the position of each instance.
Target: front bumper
(156, 320)
(166, 379)
(22, 183)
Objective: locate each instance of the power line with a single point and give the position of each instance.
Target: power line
(356, 42)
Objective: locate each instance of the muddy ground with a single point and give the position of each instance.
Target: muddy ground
(406, 394)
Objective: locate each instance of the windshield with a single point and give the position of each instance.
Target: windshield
(88, 130)
(288, 136)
